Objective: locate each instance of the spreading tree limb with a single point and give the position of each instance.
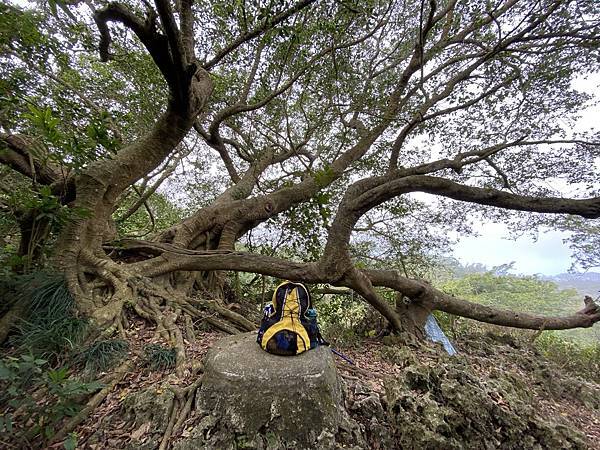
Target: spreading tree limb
(420, 291)
(266, 25)
(21, 153)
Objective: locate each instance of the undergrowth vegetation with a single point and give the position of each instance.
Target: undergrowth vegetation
(575, 357)
(102, 355)
(50, 359)
(345, 322)
(37, 388)
(49, 327)
(35, 399)
(45, 373)
(158, 357)
(345, 319)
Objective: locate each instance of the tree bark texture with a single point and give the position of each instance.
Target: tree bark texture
(171, 265)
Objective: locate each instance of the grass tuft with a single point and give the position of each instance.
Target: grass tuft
(51, 328)
(158, 357)
(103, 354)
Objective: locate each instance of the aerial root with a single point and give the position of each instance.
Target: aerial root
(176, 338)
(180, 409)
(169, 430)
(122, 286)
(166, 326)
(160, 305)
(120, 327)
(230, 316)
(189, 329)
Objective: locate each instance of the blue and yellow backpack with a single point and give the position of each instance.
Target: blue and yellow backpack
(289, 324)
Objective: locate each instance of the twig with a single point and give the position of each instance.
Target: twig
(267, 24)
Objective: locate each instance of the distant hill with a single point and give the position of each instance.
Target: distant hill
(585, 283)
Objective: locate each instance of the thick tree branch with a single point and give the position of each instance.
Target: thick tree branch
(369, 193)
(187, 29)
(174, 259)
(362, 285)
(584, 318)
(156, 43)
(21, 154)
(116, 12)
(173, 35)
(420, 291)
(218, 144)
(588, 208)
(187, 260)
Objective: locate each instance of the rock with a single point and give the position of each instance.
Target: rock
(149, 411)
(292, 400)
(370, 406)
(151, 405)
(448, 406)
(402, 356)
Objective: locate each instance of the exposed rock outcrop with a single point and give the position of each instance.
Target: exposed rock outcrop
(252, 399)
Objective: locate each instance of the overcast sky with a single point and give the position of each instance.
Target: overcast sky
(548, 255)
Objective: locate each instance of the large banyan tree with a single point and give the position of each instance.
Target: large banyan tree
(326, 118)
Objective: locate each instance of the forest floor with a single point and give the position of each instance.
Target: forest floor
(546, 390)
(498, 392)
(557, 393)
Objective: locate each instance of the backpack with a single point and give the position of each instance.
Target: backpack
(289, 324)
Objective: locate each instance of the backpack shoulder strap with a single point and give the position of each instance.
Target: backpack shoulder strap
(274, 299)
(307, 293)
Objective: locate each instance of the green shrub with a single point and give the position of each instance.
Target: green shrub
(49, 295)
(344, 310)
(9, 260)
(573, 356)
(38, 419)
(455, 327)
(341, 336)
(52, 339)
